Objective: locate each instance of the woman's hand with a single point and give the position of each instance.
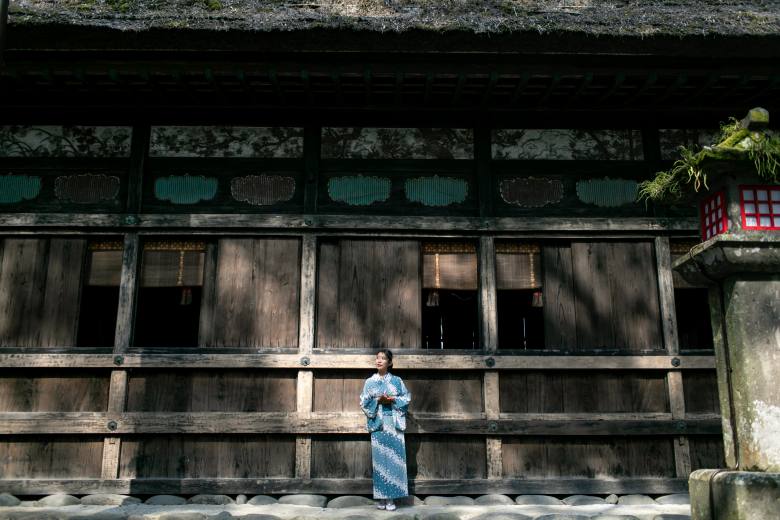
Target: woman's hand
(386, 399)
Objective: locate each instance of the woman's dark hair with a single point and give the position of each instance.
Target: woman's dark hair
(388, 354)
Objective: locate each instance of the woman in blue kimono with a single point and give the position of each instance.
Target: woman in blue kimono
(385, 400)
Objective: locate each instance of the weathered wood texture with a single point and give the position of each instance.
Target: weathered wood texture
(350, 423)
(707, 452)
(589, 304)
(588, 457)
(61, 391)
(256, 294)
(306, 323)
(487, 294)
(362, 223)
(452, 456)
(334, 456)
(211, 391)
(333, 361)
(666, 295)
(362, 486)
(202, 456)
(111, 453)
(701, 391)
(432, 392)
(369, 294)
(129, 282)
(40, 283)
(51, 457)
(588, 392)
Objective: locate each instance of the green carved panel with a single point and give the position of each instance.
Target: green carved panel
(16, 188)
(531, 192)
(606, 192)
(436, 191)
(87, 188)
(358, 190)
(262, 190)
(185, 189)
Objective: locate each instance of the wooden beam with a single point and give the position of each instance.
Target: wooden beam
(494, 456)
(521, 84)
(723, 370)
(18, 423)
(117, 391)
(586, 81)
(458, 89)
(553, 85)
(674, 379)
(354, 223)
(111, 451)
(620, 77)
(663, 261)
(680, 80)
(308, 296)
(305, 395)
(491, 86)
(682, 450)
(340, 486)
(312, 139)
(487, 295)
(335, 361)
(650, 80)
(131, 260)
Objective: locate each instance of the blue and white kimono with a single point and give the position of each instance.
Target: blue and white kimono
(387, 424)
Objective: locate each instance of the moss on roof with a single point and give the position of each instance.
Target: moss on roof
(631, 18)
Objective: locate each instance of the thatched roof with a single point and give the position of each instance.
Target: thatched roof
(629, 18)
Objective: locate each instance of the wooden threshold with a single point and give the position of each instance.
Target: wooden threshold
(343, 486)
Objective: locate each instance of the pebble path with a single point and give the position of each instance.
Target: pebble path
(301, 507)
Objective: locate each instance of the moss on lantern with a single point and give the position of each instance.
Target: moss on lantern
(745, 140)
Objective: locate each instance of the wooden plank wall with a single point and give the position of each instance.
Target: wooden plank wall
(283, 416)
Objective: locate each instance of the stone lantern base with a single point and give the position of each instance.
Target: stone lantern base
(743, 273)
(719, 494)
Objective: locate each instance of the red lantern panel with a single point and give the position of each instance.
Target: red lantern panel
(713, 216)
(760, 206)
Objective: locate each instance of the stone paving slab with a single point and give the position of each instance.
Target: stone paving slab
(281, 511)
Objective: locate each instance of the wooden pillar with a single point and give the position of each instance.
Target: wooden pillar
(489, 343)
(487, 295)
(123, 337)
(305, 389)
(674, 380)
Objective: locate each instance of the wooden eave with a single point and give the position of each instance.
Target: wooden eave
(450, 78)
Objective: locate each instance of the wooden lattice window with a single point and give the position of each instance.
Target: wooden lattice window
(450, 296)
(170, 295)
(519, 294)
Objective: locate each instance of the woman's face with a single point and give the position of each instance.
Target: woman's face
(382, 364)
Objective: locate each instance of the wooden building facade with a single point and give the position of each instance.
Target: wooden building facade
(204, 243)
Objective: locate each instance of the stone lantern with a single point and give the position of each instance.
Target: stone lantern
(740, 261)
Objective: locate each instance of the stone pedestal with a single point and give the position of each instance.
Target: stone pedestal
(743, 273)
